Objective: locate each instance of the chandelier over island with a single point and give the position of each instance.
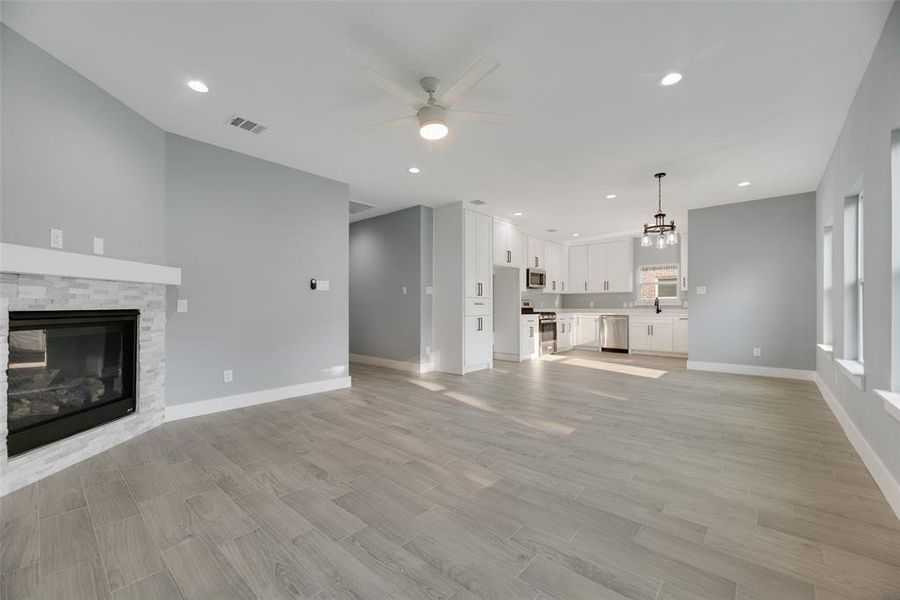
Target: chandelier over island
(664, 232)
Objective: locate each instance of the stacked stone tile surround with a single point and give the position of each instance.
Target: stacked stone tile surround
(38, 292)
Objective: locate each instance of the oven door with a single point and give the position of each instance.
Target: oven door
(547, 329)
(536, 278)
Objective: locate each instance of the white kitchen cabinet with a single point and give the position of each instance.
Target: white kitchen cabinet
(652, 334)
(478, 340)
(578, 269)
(681, 334)
(684, 263)
(509, 245)
(535, 253)
(529, 337)
(565, 333)
(609, 267)
(587, 330)
(477, 255)
(557, 267)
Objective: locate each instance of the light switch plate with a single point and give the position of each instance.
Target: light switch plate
(757, 352)
(98, 246)
(56, 238)
(181, 306)
(429, 290)
(228, 376)
(701, 290)
(404, 290)
(322, 285)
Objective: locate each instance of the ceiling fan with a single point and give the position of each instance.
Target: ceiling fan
(432, 112)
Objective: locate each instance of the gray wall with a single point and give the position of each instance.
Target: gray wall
(862, 155)
(757, 260)
(387, 253)
(77, 159)
(249, 235)
(426, 251)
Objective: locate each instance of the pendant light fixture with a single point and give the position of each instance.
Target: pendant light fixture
(664, 233)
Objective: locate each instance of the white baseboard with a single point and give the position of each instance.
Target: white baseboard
(889, 486)
(214, 405)
(696, 365)
(399, 365)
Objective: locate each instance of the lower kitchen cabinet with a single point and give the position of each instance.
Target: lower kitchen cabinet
(587, 330)
(529, 337)
(478, 343)
(565, 333)
(681, 333)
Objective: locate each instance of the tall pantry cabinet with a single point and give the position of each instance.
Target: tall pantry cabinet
(463, 273)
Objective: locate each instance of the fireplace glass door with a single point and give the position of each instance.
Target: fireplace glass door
(68, 371)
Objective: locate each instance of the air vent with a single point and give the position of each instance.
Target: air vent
(358, 207)
(246, 124)
(478, 202)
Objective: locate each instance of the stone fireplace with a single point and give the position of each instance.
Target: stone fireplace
(121, 382)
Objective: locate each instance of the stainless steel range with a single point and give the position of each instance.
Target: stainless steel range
(546, 327)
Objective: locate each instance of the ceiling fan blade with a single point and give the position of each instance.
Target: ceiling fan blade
(482, 117)
(394, 89)
(483, 67)
(385, 123)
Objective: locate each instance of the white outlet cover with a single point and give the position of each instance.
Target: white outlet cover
(181, 306)
(56, 238)
(757, 352)
(429, 290)
(404, 290)
(228, 376)
(98, 246)
(592, 305)
(322, 285)
(701, 290)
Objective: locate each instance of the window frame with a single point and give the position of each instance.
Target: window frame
(676, 299)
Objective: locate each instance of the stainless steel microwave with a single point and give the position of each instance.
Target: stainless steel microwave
(536, 278)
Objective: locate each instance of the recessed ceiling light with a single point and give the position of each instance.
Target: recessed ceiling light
(744, 184)
(198, 86)
(575, 234)
(610, 196)
(414, 170)
(517, 214)
(670, 79)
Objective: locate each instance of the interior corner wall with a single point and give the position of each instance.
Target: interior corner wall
(76, 159)
(426, 262)
(249, 235)
(862, 158)
(388, 253)
(757, 261)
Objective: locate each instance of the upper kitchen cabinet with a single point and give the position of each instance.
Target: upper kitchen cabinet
(535, 253)
(610, 267)
(509, 245)
(477, 255)
(578, 269)
(557, 267)
(684, 262)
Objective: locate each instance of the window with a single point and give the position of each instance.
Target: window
(827, 285)
(658, 281)
(853, 278)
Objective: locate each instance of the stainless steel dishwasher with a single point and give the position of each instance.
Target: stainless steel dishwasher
(614, 333)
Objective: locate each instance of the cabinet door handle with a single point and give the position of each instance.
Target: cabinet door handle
(585, 286)
(684, 282)
(480, 323)
(509, 256)
(648, 330)
(531, 332)
(553, 286)
(563, 286)
(478, 289)
(651, 330)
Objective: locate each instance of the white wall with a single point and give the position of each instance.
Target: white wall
(862, 156)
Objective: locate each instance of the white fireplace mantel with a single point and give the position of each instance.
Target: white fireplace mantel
(42, 261)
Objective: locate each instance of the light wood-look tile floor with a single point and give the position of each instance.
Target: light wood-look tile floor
(586, 476)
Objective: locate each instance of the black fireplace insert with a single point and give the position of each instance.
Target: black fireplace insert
(68, 371)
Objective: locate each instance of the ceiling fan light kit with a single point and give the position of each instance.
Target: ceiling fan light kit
(664, 232)
(433, 122)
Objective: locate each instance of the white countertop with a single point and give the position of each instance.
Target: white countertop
(631, 312)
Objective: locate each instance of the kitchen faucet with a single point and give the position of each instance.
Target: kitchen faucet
(656, 304)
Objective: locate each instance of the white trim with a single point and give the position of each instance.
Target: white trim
(42, 261)
(388, 363)
(761, 371)
(825, 348)
(853, 370)
(891, 402)
(214, 405)
(889, 486)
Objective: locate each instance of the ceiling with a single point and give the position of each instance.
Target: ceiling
(766, 88)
